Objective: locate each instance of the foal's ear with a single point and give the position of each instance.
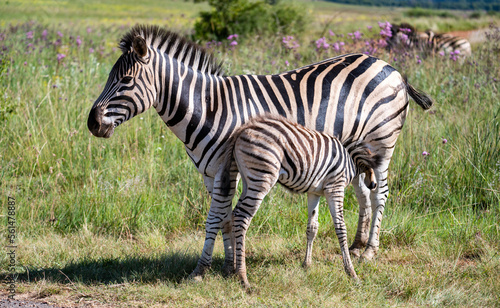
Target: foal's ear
(140, 47)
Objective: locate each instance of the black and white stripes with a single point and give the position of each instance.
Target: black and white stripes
(271, 149)
(353, 97)
(406, 36)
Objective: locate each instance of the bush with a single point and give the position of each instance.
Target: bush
(475, 15)
(245, 18)
(420, 12)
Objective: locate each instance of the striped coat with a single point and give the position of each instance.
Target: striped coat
(271, 149)
(405, 36)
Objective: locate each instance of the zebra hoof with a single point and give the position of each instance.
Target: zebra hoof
(195, 278)
(368, 254)
(355, 252)
(246, 286)
(228, 270)
(197, 274)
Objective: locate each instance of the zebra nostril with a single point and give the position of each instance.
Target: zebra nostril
(95, 120)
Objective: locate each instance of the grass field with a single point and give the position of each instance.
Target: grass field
(119, 222)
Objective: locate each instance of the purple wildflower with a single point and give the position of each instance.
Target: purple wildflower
(385, 29)
(29, 35)
(322, 44)
(407, 30)
(287, 63)
(425, 153)
(357, 35)
(78, 41)
(290, 43)
(91, 50)
(445, 141)
(331, 33)
(441, 53)
(369, 28)
(382, 43)
(233, 43)
(336, 46)
(454, 55)
(232, 37)
(418, 59)
(44, 34)
(60, 56)
(59, 34)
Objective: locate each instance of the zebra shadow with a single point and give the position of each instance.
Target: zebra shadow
(172, 267)
(169, 267)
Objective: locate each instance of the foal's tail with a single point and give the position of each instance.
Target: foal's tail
(365, 159)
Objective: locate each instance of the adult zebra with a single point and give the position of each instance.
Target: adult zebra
(406, 36)
(354, 97)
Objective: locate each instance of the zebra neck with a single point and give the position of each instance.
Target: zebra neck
(194, 107)
(181, 97)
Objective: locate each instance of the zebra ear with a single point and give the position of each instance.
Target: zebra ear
(140, 47)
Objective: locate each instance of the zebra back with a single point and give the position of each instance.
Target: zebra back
(364, 157)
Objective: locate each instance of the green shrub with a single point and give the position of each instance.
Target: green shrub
(420, 12)
(475, 15)
(245, 18)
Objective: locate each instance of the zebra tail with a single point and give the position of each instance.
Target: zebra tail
(422, 99)
(364, 155)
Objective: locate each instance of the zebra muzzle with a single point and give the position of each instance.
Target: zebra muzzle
(97, 126)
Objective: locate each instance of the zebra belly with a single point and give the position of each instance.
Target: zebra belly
(312, 186)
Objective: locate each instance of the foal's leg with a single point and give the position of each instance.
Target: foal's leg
(312, 226)
(335, 197)
(255, 188)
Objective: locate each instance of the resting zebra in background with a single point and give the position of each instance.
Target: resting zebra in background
(353, 97)
(271, 149)
(406, 36)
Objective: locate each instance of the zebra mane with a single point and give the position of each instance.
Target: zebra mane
(175, 46)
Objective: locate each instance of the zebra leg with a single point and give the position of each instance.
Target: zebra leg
(227, 228)
(219, 217)
(335, 198)
(378, 198)
(228, 267)
(365, 211)
(248, 204)
(312, 226)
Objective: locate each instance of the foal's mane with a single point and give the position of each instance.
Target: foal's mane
(175, 46)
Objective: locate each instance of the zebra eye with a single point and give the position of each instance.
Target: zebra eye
(127, 79)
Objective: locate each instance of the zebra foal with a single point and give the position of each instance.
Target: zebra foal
(270, 149)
